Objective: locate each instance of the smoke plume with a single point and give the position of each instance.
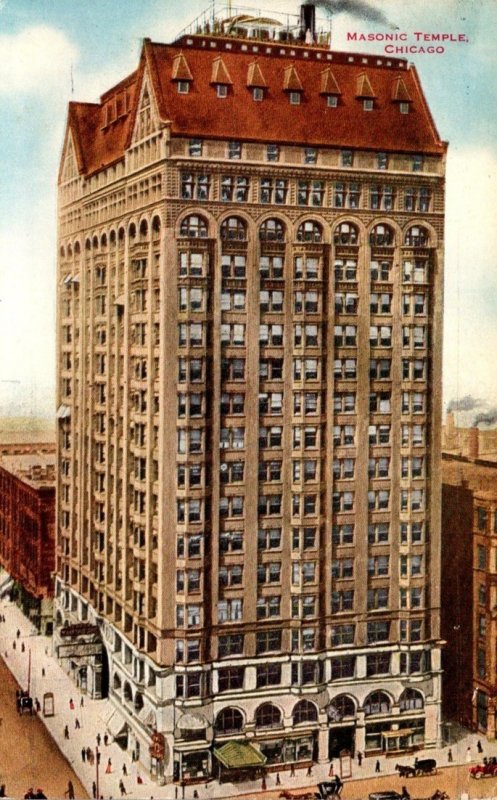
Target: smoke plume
(486, 417)
(357, 8)
(466, 403)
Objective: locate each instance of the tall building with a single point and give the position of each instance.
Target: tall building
(249, 338)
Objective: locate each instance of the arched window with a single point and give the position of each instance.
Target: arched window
(95, 242)
(103, 240)
(234, 229)
(411, 700)
(132, 230)
(304, 711)
(310, 231)
(417, 237)
(377, 703)
(194, 227)
(267, 716)
(155, 227)
(138, 701)
(381, 236)
(346, 233)
(77, 248)
(272, 230)
(340, 707)
(117, 683)
(127, 693)
(229, 720)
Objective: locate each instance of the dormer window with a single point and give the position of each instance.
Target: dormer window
(310, 155)
(195, 148)
(381, 160)
(404, 108)
(183, 87)
(346, 158)
(332, 101)
(257, 93)
(272, 152)
(368, 104)
(222, 90)
(294, 98)
(417, 163)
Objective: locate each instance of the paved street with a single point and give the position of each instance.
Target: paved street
(28, 754)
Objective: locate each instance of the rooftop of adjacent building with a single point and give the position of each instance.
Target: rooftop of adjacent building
(36, 468)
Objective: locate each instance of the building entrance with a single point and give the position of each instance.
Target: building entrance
(341, 739)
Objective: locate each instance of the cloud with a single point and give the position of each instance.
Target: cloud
(35, 59)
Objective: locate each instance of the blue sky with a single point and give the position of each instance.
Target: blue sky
(55, 50)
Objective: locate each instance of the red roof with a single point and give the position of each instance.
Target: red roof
(102, 136)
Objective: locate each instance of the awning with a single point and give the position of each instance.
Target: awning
(147, 716)
(235, 755)
(401, 732)
(63, 412)
(7, 587)
(189, 722)
(117, 725)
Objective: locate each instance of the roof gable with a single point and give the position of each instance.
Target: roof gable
(219, 72)
(181, 70)
(364, 88)
(291, 81)
(255, 78)
(329, 83)
(69, 166)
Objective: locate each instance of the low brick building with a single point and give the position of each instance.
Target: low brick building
(27, 531)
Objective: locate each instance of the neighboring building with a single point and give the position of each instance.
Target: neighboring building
(469, 591)
(249, 371)
(472, 442)
(27, 530)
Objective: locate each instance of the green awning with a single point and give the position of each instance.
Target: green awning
(235, 755)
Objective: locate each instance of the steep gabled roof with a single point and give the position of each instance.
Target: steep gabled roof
(100, 140)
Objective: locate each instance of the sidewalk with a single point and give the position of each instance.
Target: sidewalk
(91, 723)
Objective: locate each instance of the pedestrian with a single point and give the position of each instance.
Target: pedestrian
(195, 795)
(22, 647)
(94, 790)
(99, 756)
(43, 672)
(125, 770)
(82, 702)
(479, 747)
(377, 766)
(71, 704)
(106, 739)
(69, 793)
(83, 755)
(13, 645)
(309, 771)
(38, 705)
(139, 778)
(18, 633)
(468, 755)
(338, 784)
(99, 739)
(77, 724)
(278, 779)
(122, 788)
(66, 732)
(359, 758)
(330, 771)
(450, 757)
(108, 768)
(292, 770)
(263, 783)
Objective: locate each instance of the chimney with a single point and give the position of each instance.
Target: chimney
(308, 22)
(473, 436)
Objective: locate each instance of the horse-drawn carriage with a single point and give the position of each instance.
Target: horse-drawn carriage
(422, 766)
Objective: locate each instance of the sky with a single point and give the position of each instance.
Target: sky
(52, 51)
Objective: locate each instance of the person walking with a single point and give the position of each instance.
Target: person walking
(479, 747)
(77, 724)
(94, 790)
(66, 732)
(330, 771)
(82, 702)
(309, 771)
(377, 767)
(292, 770)
(263, 783)
(359, 758)
(468, 755)
(43, 672)
(83, 755)
(71, 704)
(106, 739)
(99, 739)
(122, 788)
(108, 768)
(18, 633)
(278, 779)
(69, 793)
(450, 757)
(125, 770)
